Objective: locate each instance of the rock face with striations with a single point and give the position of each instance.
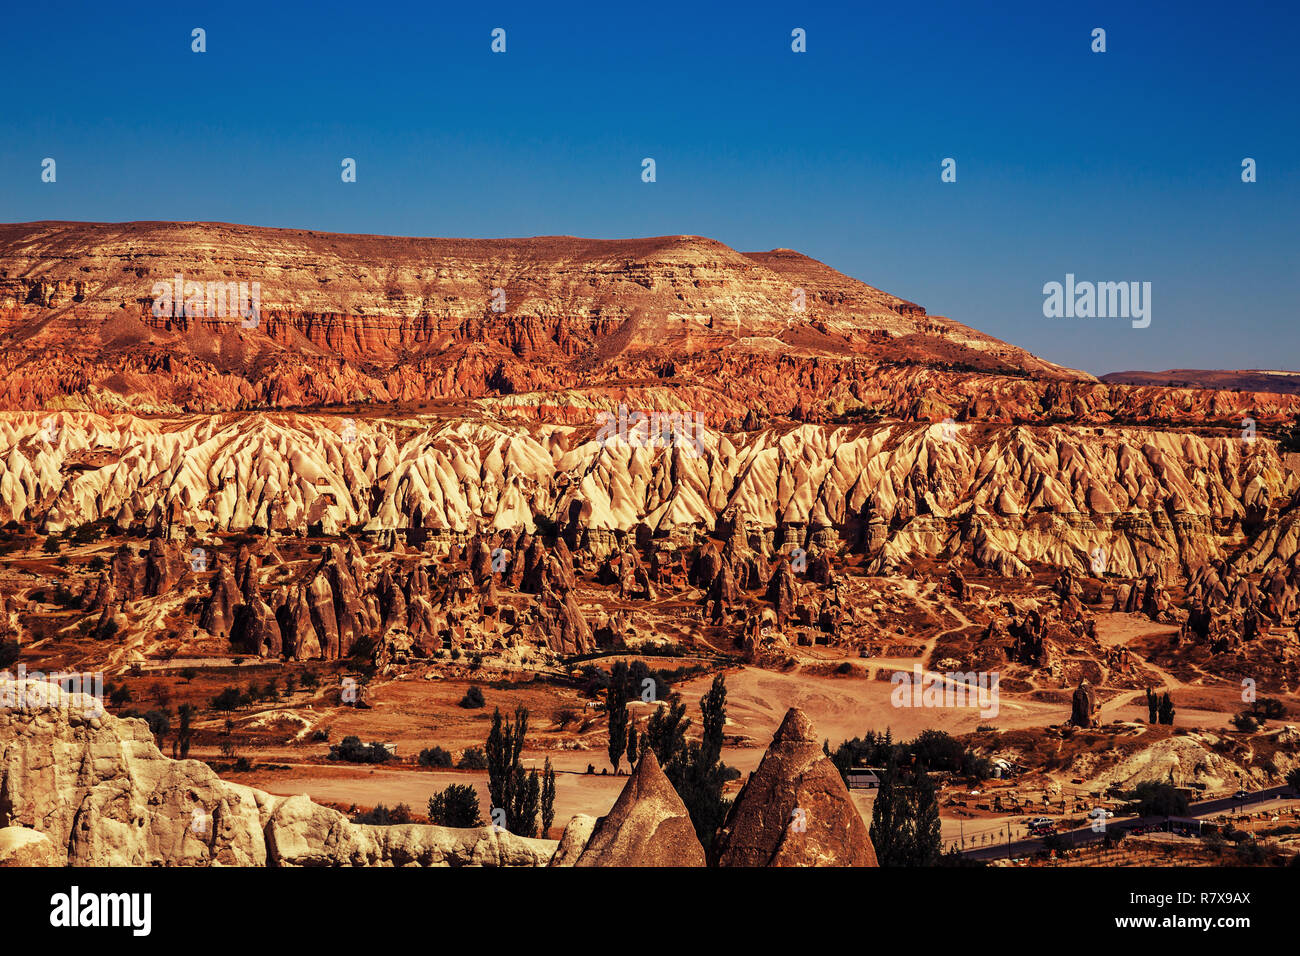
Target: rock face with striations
(100, 793)
(795, 810)
(647, 826)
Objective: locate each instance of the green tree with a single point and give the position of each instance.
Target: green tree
(665, 732)
(548, 797)
(700, 776)
(521, 817)
(616, 707)
(185, 733)
(160, 723)
(905, 819)
(1166, 709)
(227, 700)
(1154, 799)
(516, 793)
(455, 806)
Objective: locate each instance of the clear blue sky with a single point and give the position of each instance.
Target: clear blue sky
(1117, 166)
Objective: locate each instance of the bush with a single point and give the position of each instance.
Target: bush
(434, 757)
(473, 698)
(384, 817)
(189, 673)
(456, 806)
(473, 759)
(229, 699)
(1159, 800)
(1055, 841)
(160, 723)
(353, 750)
(1244, 722)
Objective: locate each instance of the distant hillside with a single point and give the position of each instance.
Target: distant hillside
(1246, 380)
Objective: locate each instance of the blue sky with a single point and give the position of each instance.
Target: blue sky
(1122, 166)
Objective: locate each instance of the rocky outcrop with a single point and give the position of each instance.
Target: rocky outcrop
(97, 790)
(794, 810)
(647, 826)
(300, 833)
(20, 846)
(1083, 705)
(574, 839)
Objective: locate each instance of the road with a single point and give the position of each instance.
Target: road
(1086, 835)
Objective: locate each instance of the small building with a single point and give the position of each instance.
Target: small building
(864, 778)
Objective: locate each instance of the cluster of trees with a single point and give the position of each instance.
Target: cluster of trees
(905, 818)
(931, 751)
(233, 698)
(1258, 714)
(695, 769)
(520, 796)
(905, 815)
(1160, 709)
(596, 680)
(1155, 799)
(472, 759)
(353, 750)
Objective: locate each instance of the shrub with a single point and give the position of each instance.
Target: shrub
(473, 759)
(353, 750)
(473, 698)
(1245, 722)
(456, 806)
(434, 757)
(227, 700)
(383, 816)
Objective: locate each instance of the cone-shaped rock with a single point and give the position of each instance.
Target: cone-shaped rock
(795, 810)
(647, 826)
